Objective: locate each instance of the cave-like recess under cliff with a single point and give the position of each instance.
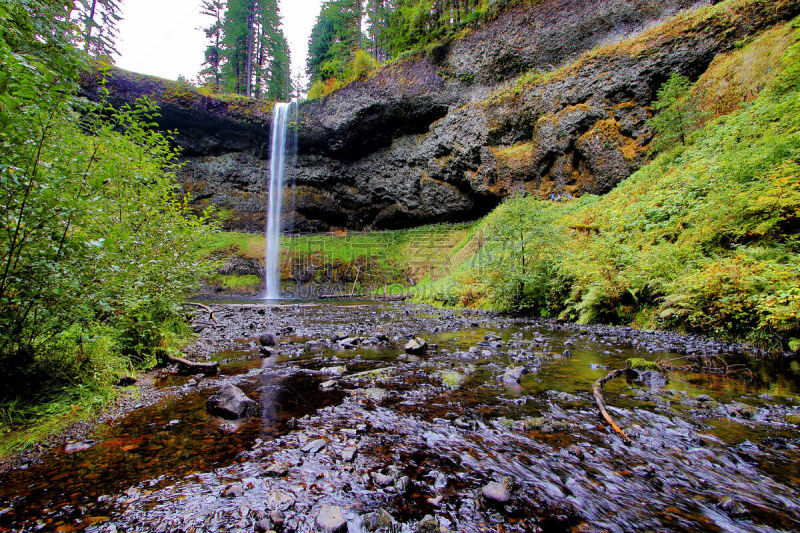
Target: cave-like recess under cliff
(550, 97)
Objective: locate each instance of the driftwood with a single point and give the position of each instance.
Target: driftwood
(205, 308)
(597, 391)
(191, 367)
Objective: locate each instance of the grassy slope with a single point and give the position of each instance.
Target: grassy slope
(416, 254)
(705, 238)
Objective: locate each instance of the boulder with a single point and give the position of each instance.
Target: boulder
(231, 403)
(416, 346)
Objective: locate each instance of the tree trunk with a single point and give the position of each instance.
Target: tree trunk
(89, 24)
(249, 69)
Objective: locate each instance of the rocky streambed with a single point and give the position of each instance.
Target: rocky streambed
(395, 417)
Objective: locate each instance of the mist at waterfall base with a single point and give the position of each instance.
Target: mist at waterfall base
(283, 149)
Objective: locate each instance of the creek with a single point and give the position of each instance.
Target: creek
(347, 418)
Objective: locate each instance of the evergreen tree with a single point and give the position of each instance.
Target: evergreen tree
(253, 51)
(99, 19)
(210, 75)
(335, 38)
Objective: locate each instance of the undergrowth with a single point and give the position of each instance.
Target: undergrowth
(703, 239)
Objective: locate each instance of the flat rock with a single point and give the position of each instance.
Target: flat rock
(313, 446)
(331, 520)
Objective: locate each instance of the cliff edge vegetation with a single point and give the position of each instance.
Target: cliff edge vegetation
(702, 239)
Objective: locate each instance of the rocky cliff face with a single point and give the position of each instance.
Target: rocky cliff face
(520, 103)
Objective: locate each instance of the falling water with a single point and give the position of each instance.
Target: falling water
(280, 126)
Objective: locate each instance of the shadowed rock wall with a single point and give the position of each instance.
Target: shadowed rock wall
(516, 104)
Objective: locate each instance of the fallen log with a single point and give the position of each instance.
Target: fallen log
(205, 308)
(597, 392)
(192, 367)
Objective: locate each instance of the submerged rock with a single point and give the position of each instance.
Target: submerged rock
(651, 379)
(232, 403)
(513, 375)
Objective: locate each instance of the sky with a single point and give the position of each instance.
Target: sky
(163, 37)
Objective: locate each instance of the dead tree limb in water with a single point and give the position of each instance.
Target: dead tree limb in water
(205, 308)
(597, 391)
(191, 367)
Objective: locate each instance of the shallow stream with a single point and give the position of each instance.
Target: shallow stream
(373, 430)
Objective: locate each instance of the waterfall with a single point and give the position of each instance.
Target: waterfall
(277, 168)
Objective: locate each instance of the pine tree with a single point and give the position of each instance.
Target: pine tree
(99, 18)
(213, 55)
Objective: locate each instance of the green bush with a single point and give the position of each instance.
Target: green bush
(94, 235)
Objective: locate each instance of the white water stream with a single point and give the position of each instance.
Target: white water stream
(278, 156)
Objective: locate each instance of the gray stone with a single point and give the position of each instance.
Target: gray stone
(513, 375)
(234, 490)
(313, 446)
(266, 339)
(379, 520)
(416, 346)
(496, 492)
(331, 520)
(349, 453)
(651, 379)
(279, 500)
(232, 403)
(428, 524)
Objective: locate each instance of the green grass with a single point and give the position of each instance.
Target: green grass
(423, 251)
(23, 425)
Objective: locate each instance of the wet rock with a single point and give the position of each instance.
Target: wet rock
(416, 346)
(429, 524)
(349, 342)
(651, 379)
(452, 379)
(191, 383)
(513, 375)
(402, 484)
(379, 520)
(704, 398)
(74, 447)
(313, 446)
(279, 500)
(266, 339)
(742, 410)
(732, 508)
(276, 470)
(328, 384)
(263, 526)
(235, 490)
(381, 480)
(331, 520)
(265, 351)
(232, 403)
(334, 370)
(496, 492)
(348, 454)
(277, 517)
(374, 393)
